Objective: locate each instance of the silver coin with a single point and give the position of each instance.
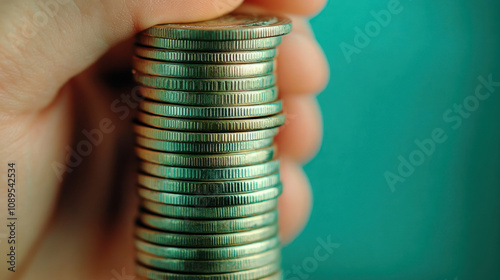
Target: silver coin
(211, 174)
(207, 160)
(205, 57)
(226, 212)
(215, 98)
(231, 27)
(226, 125)
(202, 71)
(211, 200)
(226, 252)
(224, 46)
(205, 112)
(208, 188)
(205, 240)
(203, 137)
(209, 266)
(202, 148)
(257, 273)
(208, 226)
(184, 84)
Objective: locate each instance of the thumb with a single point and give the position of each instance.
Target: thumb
(50, 41)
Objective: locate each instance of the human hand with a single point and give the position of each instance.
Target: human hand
(65, 75)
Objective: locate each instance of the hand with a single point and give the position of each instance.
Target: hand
(65, 75)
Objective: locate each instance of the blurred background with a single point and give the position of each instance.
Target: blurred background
(394, 208)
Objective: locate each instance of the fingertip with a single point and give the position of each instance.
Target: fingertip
(303, 65)
(302, 134)
(299, 7)
(296, 201)
(155, 12)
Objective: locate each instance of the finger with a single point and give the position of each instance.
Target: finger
(300, 138)
(302, 65)
(299, 7)
(57, 42)
(303, 68)
(34, 143)
(295, 202)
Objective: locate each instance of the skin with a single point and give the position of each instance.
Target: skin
(59, 81)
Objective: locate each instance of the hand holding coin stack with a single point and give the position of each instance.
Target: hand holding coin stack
(209, 178)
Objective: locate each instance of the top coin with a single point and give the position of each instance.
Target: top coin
(226, 28)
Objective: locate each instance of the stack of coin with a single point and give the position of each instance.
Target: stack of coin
(209, 179)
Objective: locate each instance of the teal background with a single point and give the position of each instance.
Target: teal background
(443, 221)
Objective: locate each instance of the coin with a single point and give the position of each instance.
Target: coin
(205, 57)
(211, 200)
(183, 84)
(202, 148)
(277, 276)
(205, 240)
(227, 212)
(229, 27)
(209, 266)
(226, 252)
(200, 71)
(223, 46)
(217, 98)
(256, 273)
(183, 136)
(231, 112)
(207, 160)
(208, 188)
(227, 125)
(211, 174)
(208, 226)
